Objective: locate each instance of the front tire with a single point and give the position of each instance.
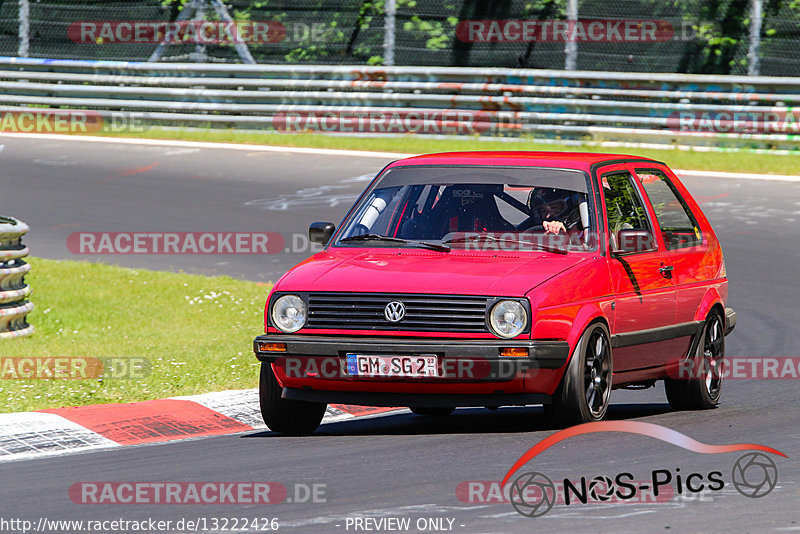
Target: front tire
(583, 395)
(702, 389)
(287, 416)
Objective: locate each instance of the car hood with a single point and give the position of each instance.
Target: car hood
(421, 271)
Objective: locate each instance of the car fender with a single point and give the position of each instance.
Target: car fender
(558, 315)
(588, 314)
(711, 299)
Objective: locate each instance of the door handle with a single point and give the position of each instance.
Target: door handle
(666, 271)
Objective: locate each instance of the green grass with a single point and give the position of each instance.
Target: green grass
(195, 332)
(734, 161)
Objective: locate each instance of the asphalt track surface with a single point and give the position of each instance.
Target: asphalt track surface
(404, 465)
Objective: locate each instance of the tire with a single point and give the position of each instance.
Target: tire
(437, 411)
(291, 417)
(584, 391)
(702, 390)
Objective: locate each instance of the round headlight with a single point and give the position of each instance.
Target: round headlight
(508, 318)
(289, 313)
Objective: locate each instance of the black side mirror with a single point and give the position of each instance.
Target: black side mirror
(321, 232)
(634, 241)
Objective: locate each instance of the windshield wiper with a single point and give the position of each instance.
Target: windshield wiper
(377, 237)
(538, 246)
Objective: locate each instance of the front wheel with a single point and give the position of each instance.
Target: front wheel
(702, 388)
(583, 395)
(287, 416)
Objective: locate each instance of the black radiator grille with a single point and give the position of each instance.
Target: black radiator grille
(423, 313)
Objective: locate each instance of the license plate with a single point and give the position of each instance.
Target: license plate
(418, 365)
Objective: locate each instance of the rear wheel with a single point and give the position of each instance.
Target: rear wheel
(701, 390)
(292, 417)
(437, 411)
(585, 388)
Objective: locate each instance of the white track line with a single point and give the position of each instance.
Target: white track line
(737, 175)
(334, 152)
(203, 144)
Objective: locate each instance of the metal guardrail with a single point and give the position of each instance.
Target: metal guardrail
(574, 105)
(14, 306)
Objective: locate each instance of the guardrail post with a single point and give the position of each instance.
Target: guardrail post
(753, 63)
(24, 28)
(388, 32)
(200, 55)
(13, 290)
(571, 47)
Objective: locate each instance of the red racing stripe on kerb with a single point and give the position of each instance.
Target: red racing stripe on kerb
(151, 421)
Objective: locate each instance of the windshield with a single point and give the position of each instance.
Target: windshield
(484, 208)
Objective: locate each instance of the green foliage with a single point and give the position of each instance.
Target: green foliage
(438, 33)
(194, 332)
(620, 198)
(352, 32)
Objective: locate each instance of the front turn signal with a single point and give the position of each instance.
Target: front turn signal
(514, 352)
(271, 347)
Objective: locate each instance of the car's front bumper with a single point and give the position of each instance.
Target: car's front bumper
(471, 371)
(541, 354)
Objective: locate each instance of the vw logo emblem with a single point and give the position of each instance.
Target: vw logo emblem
(394, 311)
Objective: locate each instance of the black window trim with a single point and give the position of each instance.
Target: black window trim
(629, 170)
(683, 204)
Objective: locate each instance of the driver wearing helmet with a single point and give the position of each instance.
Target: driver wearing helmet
(555, 209)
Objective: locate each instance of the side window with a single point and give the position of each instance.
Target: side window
(624, 210)
(678, 225)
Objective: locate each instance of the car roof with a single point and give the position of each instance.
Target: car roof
(564, 160)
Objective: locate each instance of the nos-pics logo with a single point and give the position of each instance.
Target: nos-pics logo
(533, 494)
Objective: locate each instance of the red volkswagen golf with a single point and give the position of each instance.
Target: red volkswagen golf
(501, 278)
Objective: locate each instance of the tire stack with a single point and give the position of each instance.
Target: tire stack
(14, 292)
